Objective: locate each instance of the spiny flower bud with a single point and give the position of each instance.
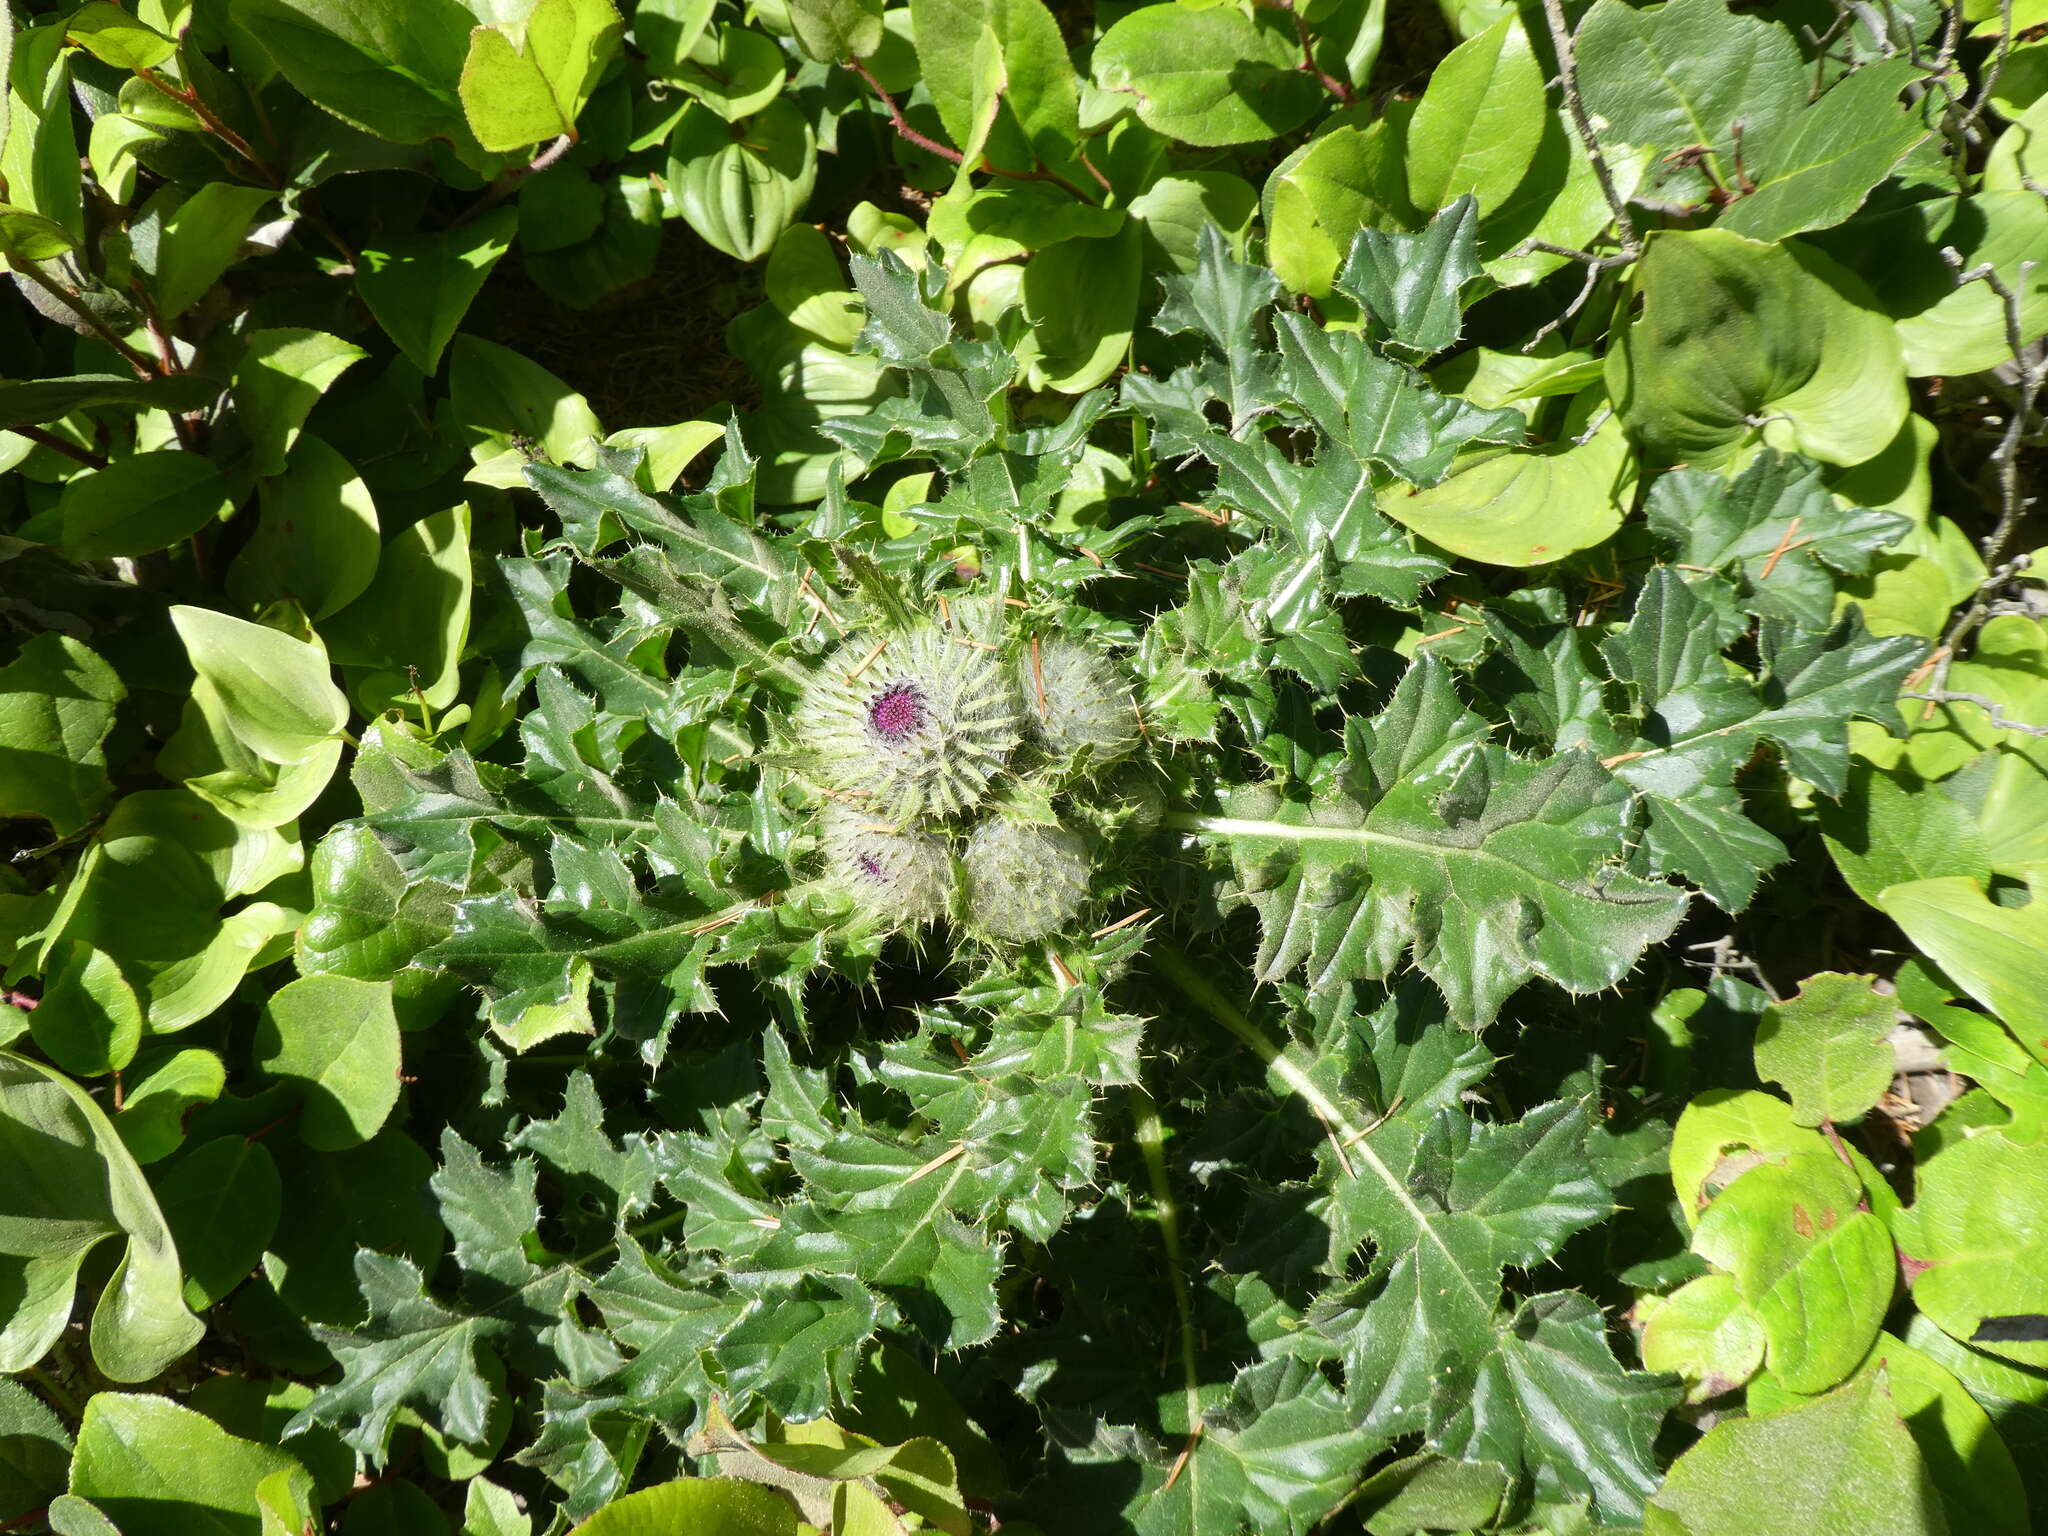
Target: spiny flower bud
(898, 877)
(917, 728)
(1128, 806)
(1023, 880)
(1074, 699)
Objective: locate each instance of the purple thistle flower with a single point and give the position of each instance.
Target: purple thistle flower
(897, 711)
(921, 734)
(899, 878)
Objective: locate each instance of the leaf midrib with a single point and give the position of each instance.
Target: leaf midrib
(1238, 826)
(1349, 1137)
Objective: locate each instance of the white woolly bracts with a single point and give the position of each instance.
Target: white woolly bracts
(900, 878)
(1023, 880)
(945, 766)
(1075, 702)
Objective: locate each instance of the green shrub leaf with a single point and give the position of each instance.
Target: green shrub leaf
(1207, 77)
(79, 1188)
(1827, 1047)
(1839, 1464)
(1736, 337)
(336, 1039)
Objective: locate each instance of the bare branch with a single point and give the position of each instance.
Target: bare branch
(1624, 226)
(2032, 369)
(1568, 83)
(56, 444)
(1992, 70)
(1596, 267)
(1600, 419)
(1990, 706)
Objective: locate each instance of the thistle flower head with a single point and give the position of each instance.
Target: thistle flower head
(898, 877)
(1024, 880)
(916, 727)
(1075, 700)
(897, 712)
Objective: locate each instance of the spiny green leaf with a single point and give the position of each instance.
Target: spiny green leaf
(1775, 530)
(597, 505)
(575, 1145)
(1490, 869)
(1699, 721)
(877, 1213)
(1410, 284)
(1225, 301)
(956, 406)
(414, 1352)
(490, 1215)
(796, 1344)
(1447, 1206)
(1380, 409)
(1555, 1399)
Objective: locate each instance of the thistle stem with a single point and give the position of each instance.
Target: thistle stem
(1180, 970)
(1150, 1135)
(733, 637)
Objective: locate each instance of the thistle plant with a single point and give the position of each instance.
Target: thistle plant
(1204, 1057)
(916, 724)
